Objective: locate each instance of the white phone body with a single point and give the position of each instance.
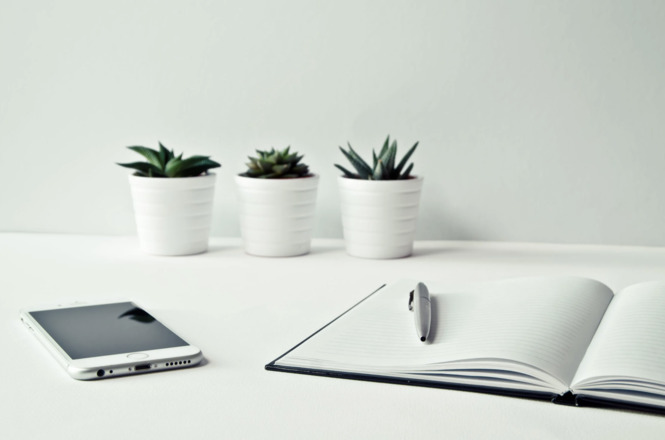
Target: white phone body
(103, 365)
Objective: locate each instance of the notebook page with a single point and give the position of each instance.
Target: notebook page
(543, 322)
(630, 341)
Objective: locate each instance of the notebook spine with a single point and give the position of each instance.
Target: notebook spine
(567, 398)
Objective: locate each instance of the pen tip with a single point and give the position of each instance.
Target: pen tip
(422, 338)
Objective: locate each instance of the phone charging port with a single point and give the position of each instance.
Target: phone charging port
(142, 367)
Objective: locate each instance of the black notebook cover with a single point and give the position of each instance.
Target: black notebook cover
(568, 398)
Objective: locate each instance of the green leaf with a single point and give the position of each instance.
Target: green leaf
(195, 170)
(276, 164)
(385, 146)
(405, 158)
(359, 158)
(163, 155)
(252, 173)
(201, 167)
(301, 170)
(406, 173)
(347, 173)
(384, 155)
(280, 169)
(172, 167)
(292, 158)
(357, 162)
(265, 164)
(253, 165)
(390, 162)
(192, 166)
(378, 171)
(144, 169)
(148, 153)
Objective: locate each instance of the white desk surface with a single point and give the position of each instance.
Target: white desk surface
(208, 298)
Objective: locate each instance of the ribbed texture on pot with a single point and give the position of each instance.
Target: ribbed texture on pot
(173, 215)
(379, 217)
(277, 215)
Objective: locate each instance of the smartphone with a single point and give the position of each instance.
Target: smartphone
(108, 339)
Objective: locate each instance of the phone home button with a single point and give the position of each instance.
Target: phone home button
(137, 355)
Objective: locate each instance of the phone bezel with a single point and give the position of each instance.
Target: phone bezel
(104, 367)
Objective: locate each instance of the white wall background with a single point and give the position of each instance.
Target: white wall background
(538, 120)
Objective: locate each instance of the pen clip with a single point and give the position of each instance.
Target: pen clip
(411, 300)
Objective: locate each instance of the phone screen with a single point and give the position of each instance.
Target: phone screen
(105, 329)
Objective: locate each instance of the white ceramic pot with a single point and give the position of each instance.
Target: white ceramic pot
(277, 215)
(379, 216)
(173, 214)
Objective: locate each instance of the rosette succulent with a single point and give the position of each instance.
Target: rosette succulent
(275, 164)
(164, 163)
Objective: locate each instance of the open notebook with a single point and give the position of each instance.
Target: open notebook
(568, 339)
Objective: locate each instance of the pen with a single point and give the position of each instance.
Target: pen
(419, 303)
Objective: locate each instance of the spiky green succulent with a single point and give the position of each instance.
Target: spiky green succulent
(164, 163)
(383, 164)
(276, 164)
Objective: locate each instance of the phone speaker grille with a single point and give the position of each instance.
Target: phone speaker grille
(178, 363)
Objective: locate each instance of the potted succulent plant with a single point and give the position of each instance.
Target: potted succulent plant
(173, 200)
(277, 195)
(379, 203)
